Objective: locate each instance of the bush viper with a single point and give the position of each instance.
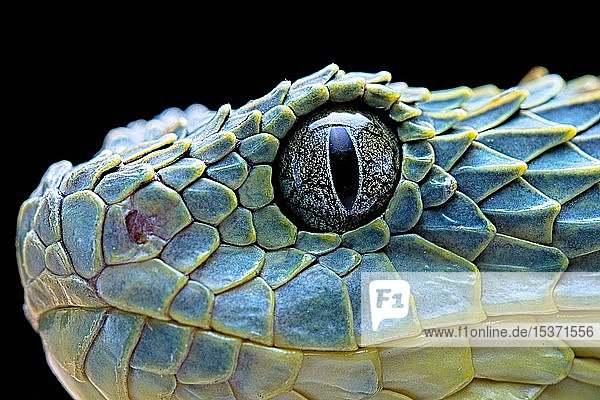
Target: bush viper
(218, 254)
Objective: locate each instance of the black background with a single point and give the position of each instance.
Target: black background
(71, 82)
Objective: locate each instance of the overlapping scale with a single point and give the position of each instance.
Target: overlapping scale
(481, 171)
(451, 294)
(518, 277)
(487, 389)
(424, 368)
(269, 101)
(444, 120)
(579, 289)
(457, 225)
(567, 387)
(577, 226)
(450, 147)
(520, 210)
(315, 319)
(581, 111)
(448, 99)
(589, 141)
(563, 172)
(526, 136)
(335, 375)
(495, 111)
(211, 126)
(542, 89)
(244, 125)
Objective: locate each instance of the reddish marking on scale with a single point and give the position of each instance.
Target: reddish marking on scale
(139, 226)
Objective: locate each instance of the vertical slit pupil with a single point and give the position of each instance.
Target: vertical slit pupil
(344, 165)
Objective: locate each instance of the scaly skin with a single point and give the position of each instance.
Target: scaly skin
(165, 269)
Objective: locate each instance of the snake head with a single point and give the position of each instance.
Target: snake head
(248, 232)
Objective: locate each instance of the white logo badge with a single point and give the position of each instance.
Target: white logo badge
(388, 300)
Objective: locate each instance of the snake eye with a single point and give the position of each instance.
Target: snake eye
(338, 169)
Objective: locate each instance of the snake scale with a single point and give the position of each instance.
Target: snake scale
(217, 254)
